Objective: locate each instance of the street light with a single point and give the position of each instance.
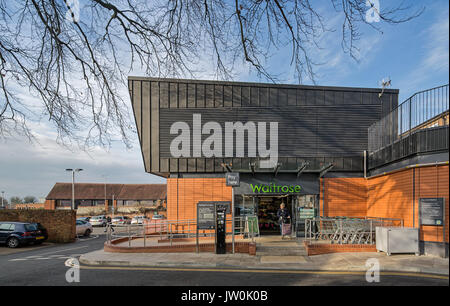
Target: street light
(3, 196)
(73, 184)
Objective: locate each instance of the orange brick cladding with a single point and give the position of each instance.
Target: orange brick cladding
(183, 194)
(394, 195)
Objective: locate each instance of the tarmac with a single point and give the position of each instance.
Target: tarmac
(274, 255)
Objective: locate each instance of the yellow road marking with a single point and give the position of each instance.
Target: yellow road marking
(409, 274)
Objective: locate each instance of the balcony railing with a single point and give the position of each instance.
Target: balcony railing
(418, 125)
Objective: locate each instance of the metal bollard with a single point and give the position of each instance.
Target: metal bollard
(144, 235)
(129, 237)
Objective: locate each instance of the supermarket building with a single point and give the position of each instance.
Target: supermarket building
(332, 151)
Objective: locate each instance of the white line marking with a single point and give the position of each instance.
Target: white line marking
(65, 250)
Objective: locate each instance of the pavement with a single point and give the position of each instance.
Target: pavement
(286, 255)
(49, 264)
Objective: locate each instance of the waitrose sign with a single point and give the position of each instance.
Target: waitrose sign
(274, 188)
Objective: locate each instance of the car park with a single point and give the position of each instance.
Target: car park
(138, 219)
(98, 221)
(15, 234)
(83, 228)
(121, 220)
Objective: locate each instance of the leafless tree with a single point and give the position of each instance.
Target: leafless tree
(75, 60)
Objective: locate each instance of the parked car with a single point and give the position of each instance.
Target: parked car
(121, 220)
(84, 228)
(85, 219)
(158, 217)
(98, 221)
(44, 232)
(15, 234)
(138, 219)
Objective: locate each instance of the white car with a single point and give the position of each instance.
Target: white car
(121, 220)
(83, 228)
(138, 219)
(98, 221)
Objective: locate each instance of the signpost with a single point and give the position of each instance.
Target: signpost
(432, 212)
(207, 216)
(306, 213)
(232, 179)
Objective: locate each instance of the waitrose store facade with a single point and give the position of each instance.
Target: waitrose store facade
(322, 151)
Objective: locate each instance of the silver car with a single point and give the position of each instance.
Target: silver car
(98, 221)
(83, 228)
(121, 220)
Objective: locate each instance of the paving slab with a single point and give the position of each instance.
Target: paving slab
(283, 259)
(325, 262)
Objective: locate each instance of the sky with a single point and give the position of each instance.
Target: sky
(414, 55)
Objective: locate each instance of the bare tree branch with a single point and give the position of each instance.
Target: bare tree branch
(75, 63)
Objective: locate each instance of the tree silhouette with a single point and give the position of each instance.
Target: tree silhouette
(75, 60)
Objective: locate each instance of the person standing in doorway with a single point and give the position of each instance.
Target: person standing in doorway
(283, 216)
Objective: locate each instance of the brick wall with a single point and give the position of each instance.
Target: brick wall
(30, 206)
(325, 248)
(60, 224)
(343, 197)
(183, 195)
(50, 204)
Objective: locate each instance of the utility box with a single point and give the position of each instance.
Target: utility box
(397, 240)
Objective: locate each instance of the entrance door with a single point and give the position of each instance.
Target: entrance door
(267, 213)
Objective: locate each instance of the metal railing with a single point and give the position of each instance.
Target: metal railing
(344, 230)
(418, 125)
(423, 109)
(170, 230)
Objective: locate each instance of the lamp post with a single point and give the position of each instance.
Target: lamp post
(3, 196)
(73, 184)
(106, 204)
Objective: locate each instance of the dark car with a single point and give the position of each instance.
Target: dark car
(44, 233)
(15, 234)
